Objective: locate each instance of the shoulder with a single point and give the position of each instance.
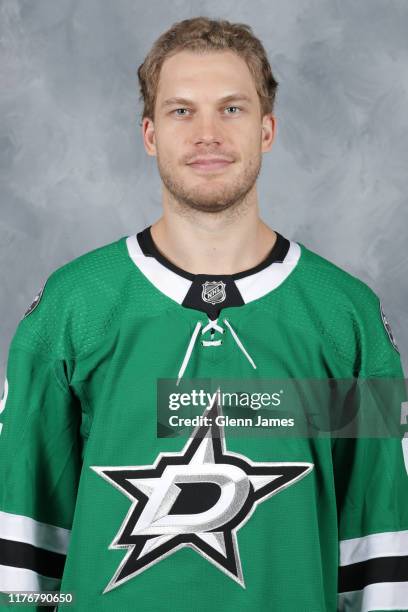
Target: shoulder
(74, 302)
(333, 281)
(102, 262)
(337, 290)
(351, 312)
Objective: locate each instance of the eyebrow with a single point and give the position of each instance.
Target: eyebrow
(229, 98)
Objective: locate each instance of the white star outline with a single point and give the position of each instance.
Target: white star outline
(204, 455)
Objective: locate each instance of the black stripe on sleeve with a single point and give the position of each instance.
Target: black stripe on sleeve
(356, 576)
(19, 554)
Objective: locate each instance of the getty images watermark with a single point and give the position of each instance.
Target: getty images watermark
(290, 407)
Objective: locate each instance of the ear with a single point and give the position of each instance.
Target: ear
(268, 131)
(149, 136)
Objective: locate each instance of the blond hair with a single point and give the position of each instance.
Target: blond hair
(200, 35)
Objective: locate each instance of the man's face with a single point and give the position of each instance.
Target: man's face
(207, 107)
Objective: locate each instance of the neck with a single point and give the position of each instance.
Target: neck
(213, 243)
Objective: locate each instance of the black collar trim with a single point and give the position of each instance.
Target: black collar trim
(276, 254)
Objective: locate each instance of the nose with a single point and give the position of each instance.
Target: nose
(207, 129)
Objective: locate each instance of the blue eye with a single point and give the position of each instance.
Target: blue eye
(234, 107)
(179, 114)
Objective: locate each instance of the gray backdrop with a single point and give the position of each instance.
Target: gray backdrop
(74, 173)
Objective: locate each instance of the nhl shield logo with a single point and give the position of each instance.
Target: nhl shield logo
(213, 292)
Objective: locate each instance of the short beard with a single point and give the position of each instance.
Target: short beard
(231, 195)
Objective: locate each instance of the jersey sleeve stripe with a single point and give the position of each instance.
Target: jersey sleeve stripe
(22, 579)
(384, 569)
(24, 529)
(388, 544)
(380, 596)
(27, 556)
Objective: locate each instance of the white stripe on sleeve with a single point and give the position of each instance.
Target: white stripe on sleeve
(388, 544)
(25, 529)
(379, 596)
(21, 579)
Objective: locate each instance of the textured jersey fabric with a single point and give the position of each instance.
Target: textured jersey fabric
(80, 459)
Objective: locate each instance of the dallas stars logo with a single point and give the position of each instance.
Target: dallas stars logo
(199, 497)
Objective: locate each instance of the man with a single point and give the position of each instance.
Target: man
(95, 503)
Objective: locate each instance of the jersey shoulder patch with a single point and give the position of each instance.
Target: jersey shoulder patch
(34, 303)
(388, 329)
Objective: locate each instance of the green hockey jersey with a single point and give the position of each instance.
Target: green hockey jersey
(95, 503)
